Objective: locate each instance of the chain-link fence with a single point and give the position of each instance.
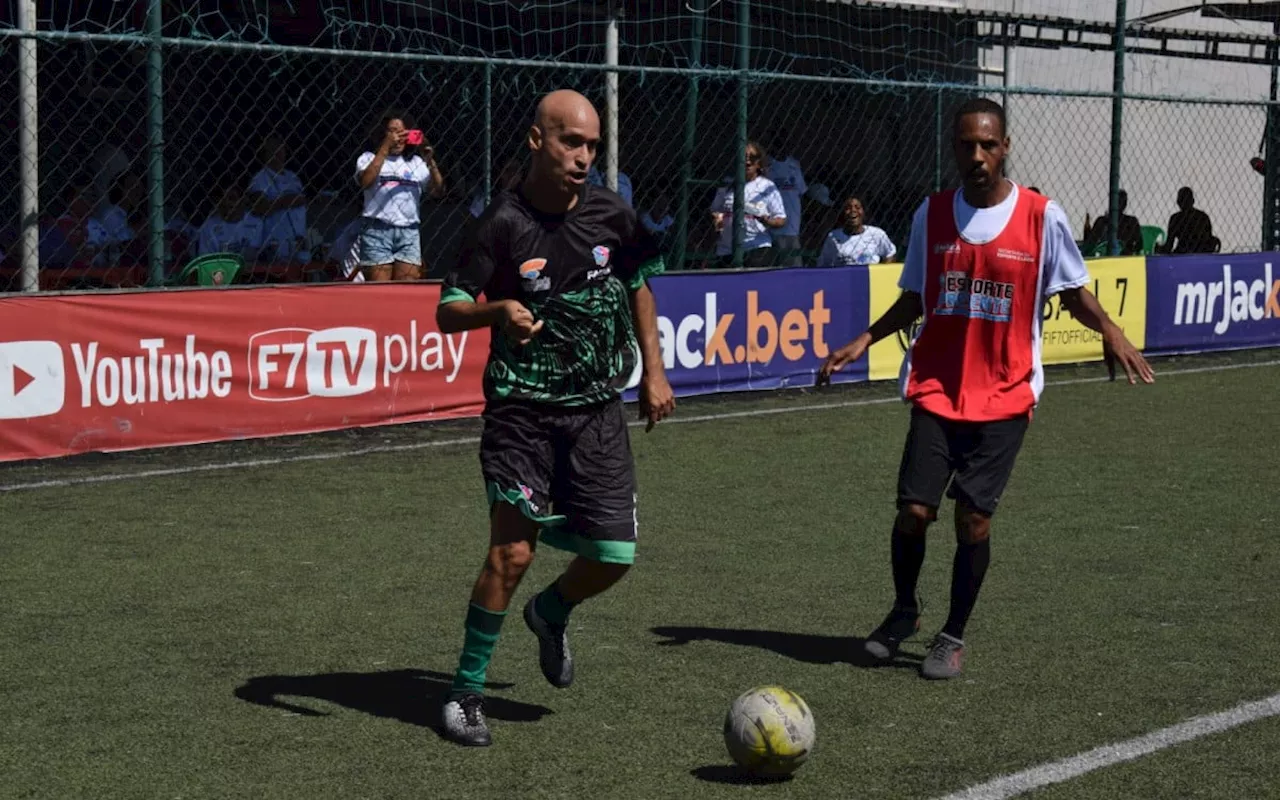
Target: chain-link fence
(217, 132)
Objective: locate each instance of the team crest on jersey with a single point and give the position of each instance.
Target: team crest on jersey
(600, 254)
(531, 275)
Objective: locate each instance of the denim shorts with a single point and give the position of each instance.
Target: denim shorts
(381, 244)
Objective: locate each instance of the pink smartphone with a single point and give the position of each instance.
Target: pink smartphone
(413, 137)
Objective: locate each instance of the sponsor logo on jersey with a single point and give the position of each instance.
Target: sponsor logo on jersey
(976, 298)
(531, 275)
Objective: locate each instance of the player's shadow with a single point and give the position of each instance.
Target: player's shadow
(409, 695)
(808, 647)
(733, 776)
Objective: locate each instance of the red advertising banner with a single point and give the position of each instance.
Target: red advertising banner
(107, 372)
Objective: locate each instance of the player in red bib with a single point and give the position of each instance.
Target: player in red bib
(980, 264)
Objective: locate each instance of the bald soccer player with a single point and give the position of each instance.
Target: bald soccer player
(562, 266)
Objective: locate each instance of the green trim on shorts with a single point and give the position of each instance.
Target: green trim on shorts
(606, 552)
(455, 295)
(516, 498)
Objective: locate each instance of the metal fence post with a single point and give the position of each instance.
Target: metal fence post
(488, 132)
(611, 98)
(740, 170)
(690, 142)
(29, 157)
(1117, 128)
(155, 131)
(937, 141)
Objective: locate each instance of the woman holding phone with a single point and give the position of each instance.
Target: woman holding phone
(393, 175)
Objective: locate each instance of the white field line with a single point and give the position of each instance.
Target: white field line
(1108, 755)
(112, 477)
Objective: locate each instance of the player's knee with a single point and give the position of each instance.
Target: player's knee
(972, 526)
(510, 560)
(913, 519)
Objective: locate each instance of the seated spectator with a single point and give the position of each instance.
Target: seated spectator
(1190, 230)
(76, 237)
(509, 177)
(1100, 232)
(276, 196)
(855, 242)
(657, 219)
(597, 178)
(231, 228)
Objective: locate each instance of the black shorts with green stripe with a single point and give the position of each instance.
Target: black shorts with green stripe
(567, 468)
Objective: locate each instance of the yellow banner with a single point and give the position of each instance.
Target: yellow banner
(1119, 283)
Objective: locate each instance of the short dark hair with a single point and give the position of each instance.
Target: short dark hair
(981, 105)
(379, 130)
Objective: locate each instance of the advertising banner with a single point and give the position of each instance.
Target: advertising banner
(105, 372)
(727, 332)
(1212, 302)
(1119, 283)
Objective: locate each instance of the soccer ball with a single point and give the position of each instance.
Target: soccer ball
(769, 731)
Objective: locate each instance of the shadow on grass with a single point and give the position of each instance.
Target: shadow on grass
(408, 695)
(731, 775)
(807, 647)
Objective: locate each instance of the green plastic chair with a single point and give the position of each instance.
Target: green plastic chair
(213, 269)
(1152, 235)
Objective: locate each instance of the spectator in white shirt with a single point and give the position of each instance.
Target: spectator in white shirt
(392, 177)
(231, 228)
(277, 197)
(763, 212)
(855, 242)
(785, 172)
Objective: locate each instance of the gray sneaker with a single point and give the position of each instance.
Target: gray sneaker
(464, 721)
(553, 647)
(945, 659)
(901, 624)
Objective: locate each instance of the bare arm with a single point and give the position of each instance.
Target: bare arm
(904, 311)
(462, 315)
(657, 401)
(1116, 346)
(435, 186)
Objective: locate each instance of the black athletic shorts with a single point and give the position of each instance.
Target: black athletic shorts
(567, 468)
(970, 461)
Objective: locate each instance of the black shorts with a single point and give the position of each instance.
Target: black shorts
(568, 469)
(970, 461)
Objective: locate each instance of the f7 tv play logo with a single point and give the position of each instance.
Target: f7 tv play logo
(294, 363)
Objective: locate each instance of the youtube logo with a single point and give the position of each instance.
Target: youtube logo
(33, 379)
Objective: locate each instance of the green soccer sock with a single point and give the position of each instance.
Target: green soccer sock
(483, 627)
(552, 606)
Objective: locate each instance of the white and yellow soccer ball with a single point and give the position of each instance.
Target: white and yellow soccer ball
(769, 731)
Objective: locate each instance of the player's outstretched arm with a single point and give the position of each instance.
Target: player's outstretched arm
(1115, 345)
(657, 401)
(904, 311)
(512, 317)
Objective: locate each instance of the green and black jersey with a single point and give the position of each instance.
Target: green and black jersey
(574, 272)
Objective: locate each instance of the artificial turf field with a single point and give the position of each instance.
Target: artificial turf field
(284, 623)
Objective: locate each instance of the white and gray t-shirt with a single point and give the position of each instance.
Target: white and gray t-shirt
(395, 195)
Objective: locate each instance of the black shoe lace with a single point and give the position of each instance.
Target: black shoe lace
(943, 648)
(472, 709)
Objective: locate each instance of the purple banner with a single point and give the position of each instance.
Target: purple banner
(736, 331)
(1212, 302)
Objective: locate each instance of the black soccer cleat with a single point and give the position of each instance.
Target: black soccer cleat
(553, 647)
(464, 721)
(901, 624)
